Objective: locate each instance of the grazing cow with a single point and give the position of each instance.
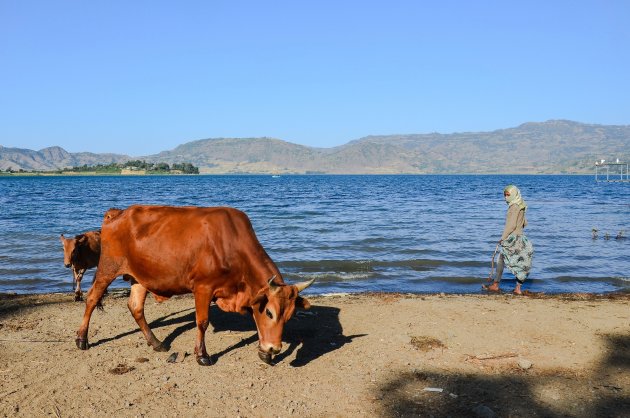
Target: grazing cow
(210, 252)
(81, 253)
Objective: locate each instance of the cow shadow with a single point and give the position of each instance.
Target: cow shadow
(188, 321)
(309, 334)
(312, 334)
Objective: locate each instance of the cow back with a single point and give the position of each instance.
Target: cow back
(171, 250)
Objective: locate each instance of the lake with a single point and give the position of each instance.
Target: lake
(351, 233)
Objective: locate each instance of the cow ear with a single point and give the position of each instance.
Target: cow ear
(302, 303)
(260, 299)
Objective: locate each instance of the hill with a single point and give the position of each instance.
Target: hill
(52, 158)
(556, 146)
(549, 147)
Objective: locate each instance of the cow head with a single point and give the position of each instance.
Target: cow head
(70, 247)
(272, 307)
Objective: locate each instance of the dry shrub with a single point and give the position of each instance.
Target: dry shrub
(424, 343)
(121, 369)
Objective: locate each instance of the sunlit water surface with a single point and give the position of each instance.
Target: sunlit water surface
(352, 233)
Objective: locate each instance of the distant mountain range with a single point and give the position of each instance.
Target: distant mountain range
(552, 147)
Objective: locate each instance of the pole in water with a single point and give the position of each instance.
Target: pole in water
(492, 263)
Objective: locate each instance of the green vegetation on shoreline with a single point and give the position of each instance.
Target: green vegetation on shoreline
(134, 167)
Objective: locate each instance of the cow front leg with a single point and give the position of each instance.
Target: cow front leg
(94, 295)
(202, 309)
(78, 276)
(137, 297)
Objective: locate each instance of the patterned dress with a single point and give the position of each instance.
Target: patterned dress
(518, 252)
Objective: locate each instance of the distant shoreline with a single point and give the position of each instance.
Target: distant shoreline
(91, 174)
(95, 174)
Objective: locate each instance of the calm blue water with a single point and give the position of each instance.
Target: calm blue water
(352, 233)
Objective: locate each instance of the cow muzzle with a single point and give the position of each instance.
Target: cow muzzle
(68, 265)
(266, 353)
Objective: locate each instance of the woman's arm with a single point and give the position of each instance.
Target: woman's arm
(510, 221)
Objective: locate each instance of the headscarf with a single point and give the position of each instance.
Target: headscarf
(515, 197)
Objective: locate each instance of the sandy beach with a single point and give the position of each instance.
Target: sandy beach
(350, 355)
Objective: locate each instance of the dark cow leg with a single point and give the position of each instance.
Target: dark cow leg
(136, 301)
(78, 276)
(101, 281)
(202, 308)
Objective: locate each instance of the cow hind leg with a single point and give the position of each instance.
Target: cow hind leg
(202, 309)
(101, 281)
(137, 297)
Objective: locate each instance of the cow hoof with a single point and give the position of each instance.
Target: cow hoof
(82, 343)
(78, 298)
(160, 347)
(204, 361)
(266, 357)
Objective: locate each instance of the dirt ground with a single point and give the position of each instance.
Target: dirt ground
(350, 355)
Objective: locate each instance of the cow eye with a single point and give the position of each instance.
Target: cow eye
(268, 312)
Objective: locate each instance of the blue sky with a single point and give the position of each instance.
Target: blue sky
(139, 77)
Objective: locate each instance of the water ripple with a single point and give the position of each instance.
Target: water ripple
(351, 233)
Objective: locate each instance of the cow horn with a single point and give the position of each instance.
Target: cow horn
(303, 285)
(270, 282)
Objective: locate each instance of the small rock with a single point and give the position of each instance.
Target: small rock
(142, 360)
(525, 364)
(172, 358)
(482, 411)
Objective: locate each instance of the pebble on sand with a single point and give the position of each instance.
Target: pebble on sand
(525, 364)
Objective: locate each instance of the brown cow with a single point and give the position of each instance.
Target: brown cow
(210, 252)
(81, 253)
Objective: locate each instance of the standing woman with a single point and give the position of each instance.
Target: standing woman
(516, 249)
